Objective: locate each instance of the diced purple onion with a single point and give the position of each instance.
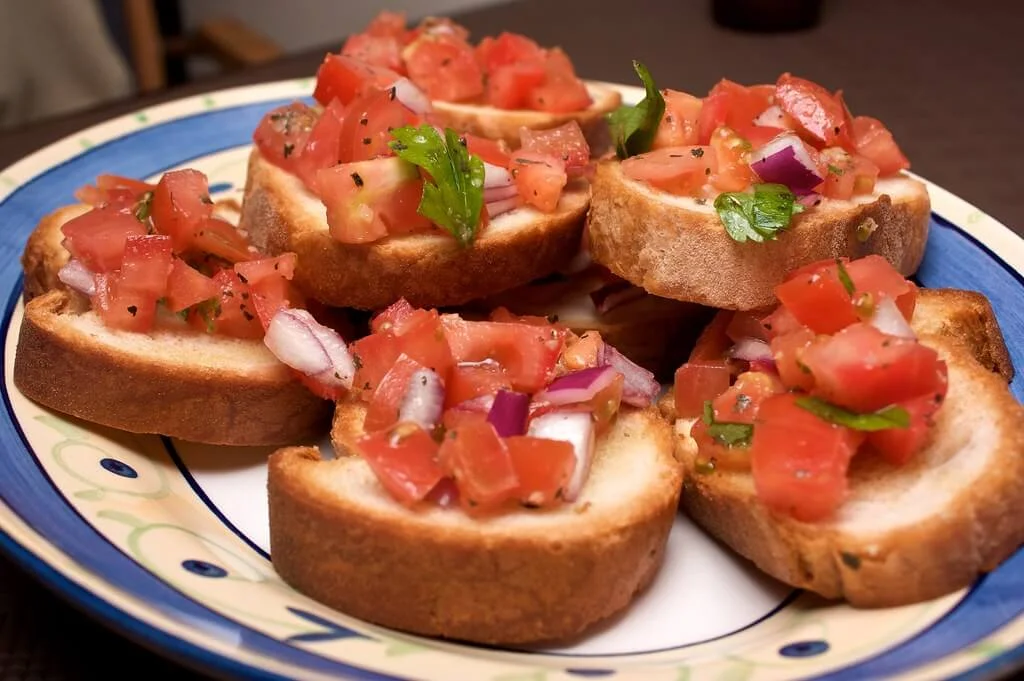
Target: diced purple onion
(411, 96)
(302, 343)
(576, 428)
(751, 349)
(508, 413)
(74, 274)
(785, 160)
(887, 318)
(578, 386)
(504, 206)
(639, 388)
(423, 402)
(496, 176)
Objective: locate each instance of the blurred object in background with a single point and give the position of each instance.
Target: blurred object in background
(766, 15)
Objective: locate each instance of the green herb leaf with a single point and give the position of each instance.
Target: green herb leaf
(143, 207)
(844, 277)
(633, 127)
(728, 434)
(454, 196)
(757, 216)
(883, 419)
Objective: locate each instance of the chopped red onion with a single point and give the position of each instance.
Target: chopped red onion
(610, 296)
(887, 318)
(74, 274)
(300, 342)
(411, 96)
(639, 388)
(576, 428)
(424, 399)
(496, 176)
(504, 206)
(495, 194)
(785, 160)
(751, 349)
(577, 386)
(508, 413)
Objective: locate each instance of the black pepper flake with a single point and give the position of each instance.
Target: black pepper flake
(446, 61)
(675, 155)
(248, 315)
(288, 149)
(697, 152)
(133, 310)
(707, 171)
(391, 94)
(837, 129)
(357, 179)
(367, 140)
(245, 296)
(850, 560)
(364, 121)
(241, 278)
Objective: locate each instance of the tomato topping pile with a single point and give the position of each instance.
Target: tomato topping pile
(494, 413)
(148, 247)
(792, 397)
(733, 122)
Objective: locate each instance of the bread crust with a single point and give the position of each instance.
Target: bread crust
(677, 249)
(976, 529)
(427, 270)
(70, 371)
(44, 252)
(504, 124)
(491, 580)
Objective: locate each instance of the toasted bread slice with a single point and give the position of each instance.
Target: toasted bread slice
(428, 270)
(173, 381)
(504, 124)
(677, 248)
(514, 578)
(905, 534)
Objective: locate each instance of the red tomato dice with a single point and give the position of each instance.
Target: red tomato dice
(730, 104)
(126, 310)
(344, 78)
(898, 445)
(732, 155)
(539, 178)
(680, 124)
(746, 325)
(480, 463)
(322, 146)
(561, 91)
(817, 112)
(542, 467)
(697, 382)
(527, 353)
(565, 142)
(187, 286)
(283, 132)
(507, 49)
(511, 87)
(222, 239)
(404, 459)
(677, 170)
(713, 342)
(373, 356)
(382, 411)
(377, 50)
(475, 379)
(874, 141)
(787, 351)
(368, 200)
(181, 202)
(145, 265)
(495, 152)
(393, 317)
(817, 298)
(368, 122)
(97, 237)
(444, 67)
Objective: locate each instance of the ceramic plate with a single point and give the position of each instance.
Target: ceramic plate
(168, 542)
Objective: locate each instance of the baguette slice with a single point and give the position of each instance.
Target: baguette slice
(174, 381)
(905, 534)
(504, 124)
(674, 247)
(519, 577)
(428, 270)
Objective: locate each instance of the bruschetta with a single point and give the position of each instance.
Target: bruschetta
(860, 441)
(714, 200)
(500, 482)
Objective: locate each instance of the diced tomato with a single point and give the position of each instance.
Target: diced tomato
(480, 463)
(232, 313)
(759, 135)
(404, 459)
(605, 403)
(379, 50)
(746, 325)
(187, 286)
(433, 26)
(267, 279)
(697, 382)
(122, 309)
(527, 353)
(561, 91)
(730, 104)
(344, 78)
(373, 356)
(510, 87)
(818, 299)
(565, 142)
(444, 67)
(458, 415)
(368, 122)
(846, 174)
(787, 351)
(739, 404)
(502, 314)
(387, 23)
(506, 50)
(874, 141)
(818, 113)
(543, 467)
(284, 131)
(222, 239)
(583, 352)
(863, 369)
(382, 411)
(106, 184)
(677, 170)
(474, 379)
(256, 271)
(368, 200)
(874, 274)
(898, 445)
(97, 237)
(322, 148)
(422, 338)
(539, 178)
(181, 202)
(491, 151)
(392, 317)
(799, 462)
(715, 455)
(732, 155)
(713, 342)
(679, 125)
(780, 322)
(145, 266)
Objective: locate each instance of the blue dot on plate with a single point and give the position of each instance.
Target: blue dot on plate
(204, 569)
(803, 649)
(218, 187)
(119, 468)
(593, 673)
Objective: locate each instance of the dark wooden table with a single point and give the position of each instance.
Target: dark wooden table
(944, 75)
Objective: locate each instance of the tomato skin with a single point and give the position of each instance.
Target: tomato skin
(321, 148)
(732, 154)
(187, 286)
(739, 404)
(730, 104)
(344, 78)
(527, 353)
(222, 239)
(799, 462)
(495, 152)
(818, 113)
(125, 310)
(470, 380)
(379, 50)
(283, 131)
(539, 178)
(510, 87)
(678, 170)
(565, 142)
(679, 126)
(404, 459)
(368, 121)
(874, 141)
(542, 467)
(480, 463)
(746, 325)
(787, 351)
(561, 91)
(97, 237)
(818, 299)
(444, 67)
(863, 369)
(506, 50)
(382, 410)
(181, 201)
(698, 381)
(145, 265)
(898, 445)
(368, 200)
(373, 356)
(392, 317)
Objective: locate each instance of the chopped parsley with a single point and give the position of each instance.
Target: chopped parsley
(758, 216)
(633, 127)
(726, 433)
(844, 277)
(883, 419)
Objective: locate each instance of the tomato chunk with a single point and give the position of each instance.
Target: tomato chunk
(382, 411)
(495, 152)
(874, 141)
(542, 467)
(97, 237)
(187, 286)
(368, 200)
(898, 445)
(378, 50)
(732, 155)
(787, 350)
(561, 91)
(145, 265)
(539, 178)
(344, 78)
(527, 353)
(739, 404)
(818, 113)
(565, 142)
(677, 170)
(284, 131)
(679, 125)
(181, 202)
(474, 379)
(404, 459)
(222, 239)
(480, 463)
(444, 67)
(732, 105)
(373, 356)
(367, 125)
(697, 382)
(818, 299)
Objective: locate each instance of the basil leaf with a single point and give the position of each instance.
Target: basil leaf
(633, 127)
(454, 196)
(844, 277)
(757, 216)
(726, 433)
(883, 419)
